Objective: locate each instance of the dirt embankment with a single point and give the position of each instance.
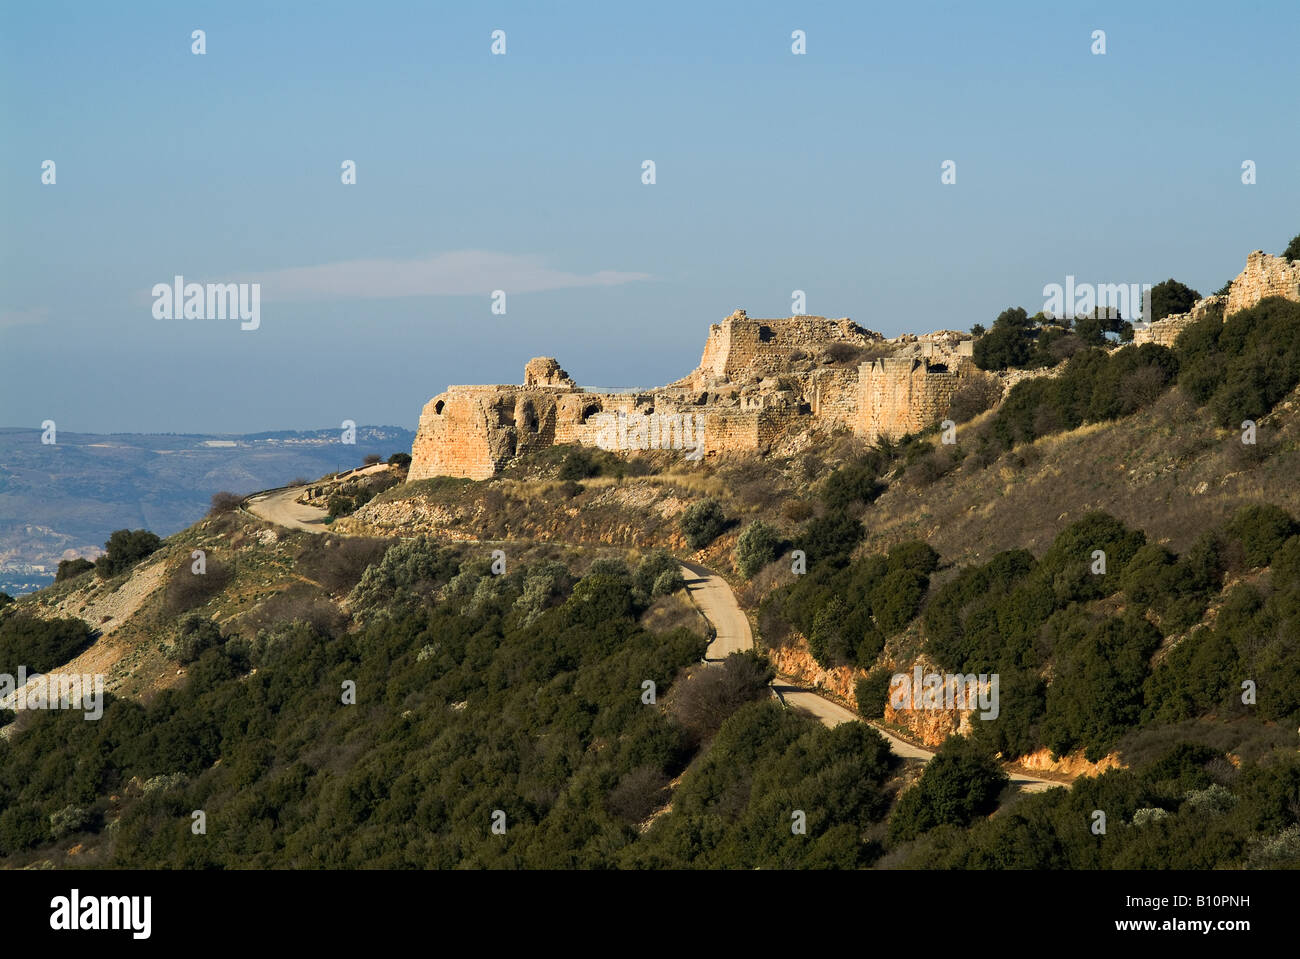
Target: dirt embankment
(106, 607)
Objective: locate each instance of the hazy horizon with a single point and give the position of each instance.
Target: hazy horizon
(775, 172)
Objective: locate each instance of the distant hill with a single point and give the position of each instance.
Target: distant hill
(70, 496)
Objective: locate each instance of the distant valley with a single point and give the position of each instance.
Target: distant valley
(61, 500)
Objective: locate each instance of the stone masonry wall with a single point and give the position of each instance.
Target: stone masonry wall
(1263, 276)
(833, 396)
(742, 348)
(900, 395)
(1165, 331)
(474, 431)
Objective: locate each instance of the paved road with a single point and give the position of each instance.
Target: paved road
(280, 506)
(718, 603)
(711, 594)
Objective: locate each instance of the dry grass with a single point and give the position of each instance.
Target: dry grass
(1166, 470)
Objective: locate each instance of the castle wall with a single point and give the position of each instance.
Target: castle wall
(741, 348)
(833, 396)
(1164, 332)
(459, 435)
(901, 395)
(1263, 276)
(731, 431)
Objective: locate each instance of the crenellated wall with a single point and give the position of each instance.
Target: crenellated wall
(900, 395)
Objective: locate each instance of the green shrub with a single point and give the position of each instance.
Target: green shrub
(702, 523)
(830, 539)
(610, 567)
(855, 483)
(124, 549)
(756, 546)
(652, 566)
(578, 464)
(40, 644)
(1170, 297)
(668, 582)
(71, 568)
(959, 784)
(1261, 530)
(872, 693)
(408, 576)
(69, 820)
(195, 635)
(896, 598)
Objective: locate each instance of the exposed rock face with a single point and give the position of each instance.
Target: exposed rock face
(759, 383)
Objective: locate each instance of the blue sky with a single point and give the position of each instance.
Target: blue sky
(522, 172)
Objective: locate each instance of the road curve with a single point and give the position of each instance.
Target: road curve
(281, 507)
(711, 593)
(718, 604)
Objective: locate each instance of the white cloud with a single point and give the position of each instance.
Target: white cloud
(459, 273)
(10, 318)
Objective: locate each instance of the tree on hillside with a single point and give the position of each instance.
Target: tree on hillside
(1171, 297)
(1008, 344)
(1292, 251)
(703, 701)
(224, 502)
(959, 783)
(702, 522)
(68, 568)
(124, 549)
(756, 547)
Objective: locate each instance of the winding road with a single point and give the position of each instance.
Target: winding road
(711, 594)
(714, 596)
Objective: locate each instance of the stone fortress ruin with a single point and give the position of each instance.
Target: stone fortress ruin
(1263, 276)
(761, 386)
